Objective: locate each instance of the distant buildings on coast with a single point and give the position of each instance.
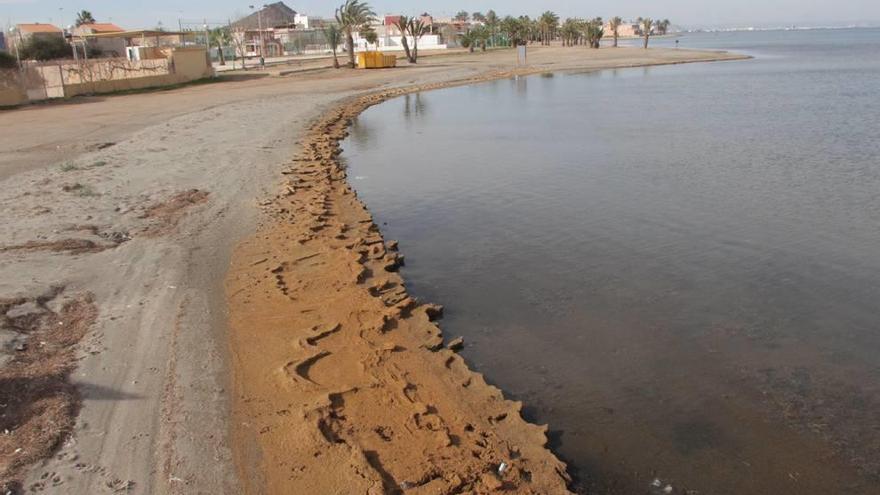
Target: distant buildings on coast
(277, 30)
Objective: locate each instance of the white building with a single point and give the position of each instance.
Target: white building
(391, 41)
(301, 21)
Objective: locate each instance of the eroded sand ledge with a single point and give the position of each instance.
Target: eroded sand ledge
(341, 384)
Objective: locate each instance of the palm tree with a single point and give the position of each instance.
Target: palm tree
(402, 25)
(478, 17)
(530, 28)
(492, 23)
(594, 33)
(220, 37)
(647, 26)
(468, 40)
(662, 26)
(352, 16)
(512, 27)
(84, 17)
(615, 24)
(416, 28)
(571, 31)
(548, 23)
(333, 35)
(481, 35)
(462, 16)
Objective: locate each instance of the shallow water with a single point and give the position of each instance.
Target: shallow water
(677, 268)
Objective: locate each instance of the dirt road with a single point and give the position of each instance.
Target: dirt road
(127, 209)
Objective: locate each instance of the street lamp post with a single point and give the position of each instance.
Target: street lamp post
(262, 34)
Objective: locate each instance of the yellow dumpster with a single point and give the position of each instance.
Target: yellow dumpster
(376, 60)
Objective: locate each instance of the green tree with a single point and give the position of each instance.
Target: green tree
(462, 16)
(220, 37)
(481, 36)
(45, 49)
(535, 30)
(478, 17)
(572, 31)
(468, 41)
(352, 16)
(647, 26)
(416, 28)
(662, 26)
(402, 25)
(514, 29)
(8, 61)
(529, 28)
(370, 36)
(615, 23)
(333, 35)
(594, 33)
(548, 23)
(84, 17)
(492, 23)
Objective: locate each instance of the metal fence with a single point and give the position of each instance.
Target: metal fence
(305, 41)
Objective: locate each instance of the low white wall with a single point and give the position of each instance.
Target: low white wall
(395, 43)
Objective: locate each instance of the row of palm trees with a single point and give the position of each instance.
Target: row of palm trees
(547, 27)
(356, 16)
(576, 31)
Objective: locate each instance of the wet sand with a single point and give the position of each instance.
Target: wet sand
(135, 203)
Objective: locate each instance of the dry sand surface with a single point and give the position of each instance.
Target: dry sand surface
(134, 359)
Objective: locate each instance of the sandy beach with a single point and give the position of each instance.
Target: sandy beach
(195, 301)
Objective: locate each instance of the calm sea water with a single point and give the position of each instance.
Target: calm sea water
(676, 268)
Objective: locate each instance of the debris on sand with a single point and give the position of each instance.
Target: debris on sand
(164, 216)
(38, 404)
(72, 246)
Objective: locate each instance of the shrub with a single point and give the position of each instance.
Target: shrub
(45, 49)
(7, 61)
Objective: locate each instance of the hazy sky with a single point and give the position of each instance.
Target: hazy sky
(690, 13)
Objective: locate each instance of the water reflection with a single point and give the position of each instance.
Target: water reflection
(414, 106)
(521, 84)
(360, 132)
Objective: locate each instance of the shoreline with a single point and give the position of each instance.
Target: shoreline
(319, 230)
(462, 433)
(140, 205)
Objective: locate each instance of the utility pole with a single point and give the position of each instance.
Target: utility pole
(12, 31)
(260, 27)
(262, 38)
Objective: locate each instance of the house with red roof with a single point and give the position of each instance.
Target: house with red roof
(24, 32)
